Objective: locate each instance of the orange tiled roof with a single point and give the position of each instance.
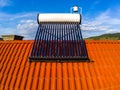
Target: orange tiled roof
(16, 72)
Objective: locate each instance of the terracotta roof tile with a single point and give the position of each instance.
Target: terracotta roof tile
(16, 72)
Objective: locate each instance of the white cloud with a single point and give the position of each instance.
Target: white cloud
(106, 18)
(24, 24)
(106, 22)
(18, 16)
(27, 28)
(22, 15)
(7, 30)
(4, 3)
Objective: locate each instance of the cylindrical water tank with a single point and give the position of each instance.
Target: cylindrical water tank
(59, 18)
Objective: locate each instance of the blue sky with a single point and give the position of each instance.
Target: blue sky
(19, 16)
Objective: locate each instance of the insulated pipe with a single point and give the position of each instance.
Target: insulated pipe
(59, 18)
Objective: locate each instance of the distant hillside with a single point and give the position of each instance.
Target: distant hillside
(114, 36)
